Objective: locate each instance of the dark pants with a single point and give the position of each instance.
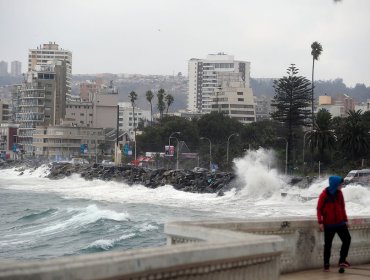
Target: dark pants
(344, 235)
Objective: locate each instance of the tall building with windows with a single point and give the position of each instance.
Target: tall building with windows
(127, 119)
(46, 54)
(3, 68)
(40, 100)
(15, 68)
(219, 82)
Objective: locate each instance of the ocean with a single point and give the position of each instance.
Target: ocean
(43, 219)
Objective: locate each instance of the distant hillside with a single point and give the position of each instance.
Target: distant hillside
(332, 88)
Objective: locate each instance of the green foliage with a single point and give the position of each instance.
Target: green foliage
(133, 98)
(161, 105)
(322, 137)
(316, 50)
(169, 100)
(149, 97)
(291, 99)
(354, 135)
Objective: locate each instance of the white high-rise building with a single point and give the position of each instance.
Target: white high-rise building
(126, 119)
(221, 83)
(46, 54)
(15, 68)
(204, 78)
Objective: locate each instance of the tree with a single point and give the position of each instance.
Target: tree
(322, 137)
(133, 98)
(161, 104)
(149, 97)
(355, 138)
(169, 100)
(316, 50)
(292, 97)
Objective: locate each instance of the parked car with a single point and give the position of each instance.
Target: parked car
(361, 177)
(107, 163)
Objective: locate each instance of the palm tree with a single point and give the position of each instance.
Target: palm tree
(149, 97)
(169, 100)
(133, 98)
(355, 137)
(161, 105)
(316, 50)
(322, 136)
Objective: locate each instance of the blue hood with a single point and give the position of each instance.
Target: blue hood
(334, 182)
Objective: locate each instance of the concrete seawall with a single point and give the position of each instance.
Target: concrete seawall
(237, 249)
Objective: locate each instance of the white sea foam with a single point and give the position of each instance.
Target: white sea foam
(77, 217)
(107, 244)
(258, 193)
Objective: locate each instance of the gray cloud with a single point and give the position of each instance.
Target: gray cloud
(158, 37)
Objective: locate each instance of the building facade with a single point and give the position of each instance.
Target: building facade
(64, 142)
(48, 53)
(126, 117)
(40, 100)
(5, 112)
(235, 100)
(3, 68)
(99, 112)
(207, 75)
(263, 108)
(15, 68)
(8, 137)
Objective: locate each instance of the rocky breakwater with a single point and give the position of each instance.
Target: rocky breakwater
(199, 181)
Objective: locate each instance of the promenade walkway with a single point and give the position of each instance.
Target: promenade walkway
(357, 272)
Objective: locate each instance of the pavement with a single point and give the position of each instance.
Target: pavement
(356, 272)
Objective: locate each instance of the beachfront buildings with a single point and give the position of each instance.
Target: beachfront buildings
(40, 100)
(221, 83)
(46, 54)
(99, 110)
(64, 142)
(127, 118)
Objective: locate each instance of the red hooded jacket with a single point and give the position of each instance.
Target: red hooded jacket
(331, 209)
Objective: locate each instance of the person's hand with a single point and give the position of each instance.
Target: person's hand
(321, 227)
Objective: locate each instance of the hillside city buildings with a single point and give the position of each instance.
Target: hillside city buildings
(221, 83)
(44, 119)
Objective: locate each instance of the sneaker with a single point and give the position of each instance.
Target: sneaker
(326, 267)
(344, 264)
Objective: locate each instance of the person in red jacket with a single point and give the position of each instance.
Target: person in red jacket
(332, 218)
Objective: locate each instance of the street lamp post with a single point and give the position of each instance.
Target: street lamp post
(286, 154)
(227, 148)
(210, 152)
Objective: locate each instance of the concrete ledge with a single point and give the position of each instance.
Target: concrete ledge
(303, 242)
(241, 255)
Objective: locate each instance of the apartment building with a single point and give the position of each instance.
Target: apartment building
(3, 68)
(99, 112)
(8, 136)
(337, 107)
(15, 68)
(127, 117)
(40, 100)
(5, 111)
(45, 54)
(234, 99)
(263, 108)
(64, 142)
(207, 75)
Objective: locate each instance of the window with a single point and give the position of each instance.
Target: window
(240, 99)
(239, 93)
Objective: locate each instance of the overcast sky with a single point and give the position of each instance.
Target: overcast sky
(160, 36)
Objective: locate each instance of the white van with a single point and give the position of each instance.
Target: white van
(361, 177)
